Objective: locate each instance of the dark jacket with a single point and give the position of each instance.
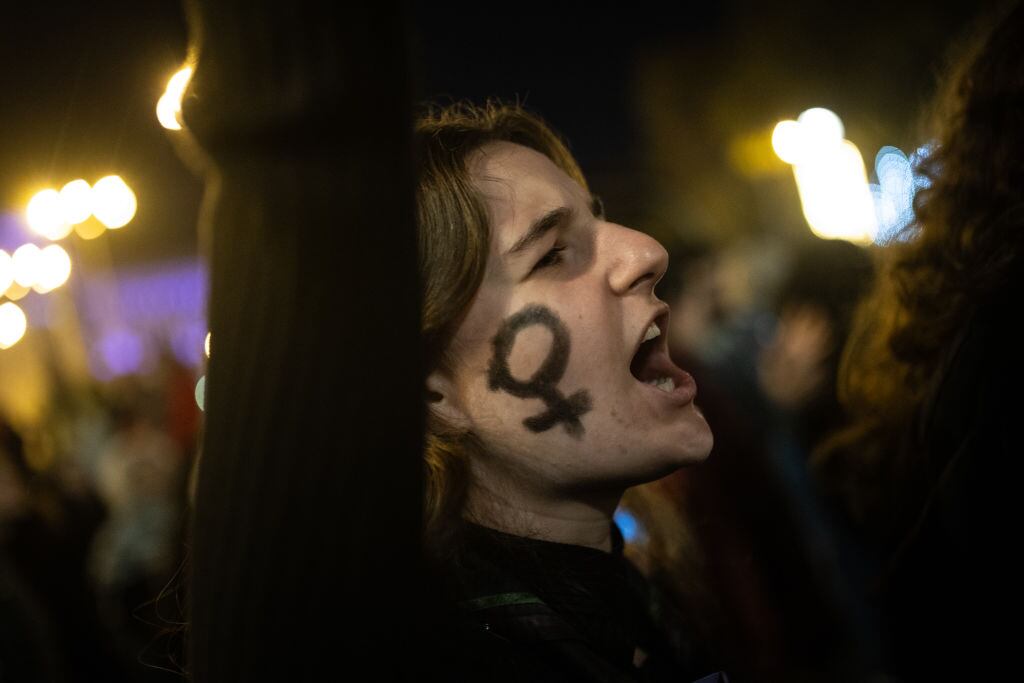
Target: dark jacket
(531, 610)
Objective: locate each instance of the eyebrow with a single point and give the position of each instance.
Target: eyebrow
(541, 227)
(552, 219)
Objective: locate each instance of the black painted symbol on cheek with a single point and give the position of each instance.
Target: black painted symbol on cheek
(543, 383)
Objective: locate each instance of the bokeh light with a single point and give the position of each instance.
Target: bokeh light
(6, 271)
(16, 292)
(114, 203)
(835, 196)
(898, 183)
(917, 159)
(201, 393)
(75, 201)
(206, 344)
(821, 128)
(12, 324)
(631, 530)
(816, 132)
(54, 268)
(45, 215)
(787, 141)
(830, 176)
(26, 264)
(168, 107)
(90, 229)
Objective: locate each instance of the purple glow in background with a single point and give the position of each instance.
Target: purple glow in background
(132, 315)
(14, 231)
(122, 353)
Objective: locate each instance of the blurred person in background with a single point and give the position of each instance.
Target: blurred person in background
(814, 309)
(928, 472)
(42, 579)
(140, 475)
(763, 362)
(28, 651)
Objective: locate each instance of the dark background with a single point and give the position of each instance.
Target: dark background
(654, 98)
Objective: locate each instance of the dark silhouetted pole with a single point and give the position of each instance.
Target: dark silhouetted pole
(305, 560)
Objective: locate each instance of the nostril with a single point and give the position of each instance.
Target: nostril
(644, 280)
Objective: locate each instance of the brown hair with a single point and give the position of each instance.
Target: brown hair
(963, 248)
(454, 236)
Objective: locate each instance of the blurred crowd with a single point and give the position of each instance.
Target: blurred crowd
(92, 517)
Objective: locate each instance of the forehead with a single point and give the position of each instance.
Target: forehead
(518, 185)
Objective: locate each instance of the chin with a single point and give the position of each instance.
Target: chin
(684, 453)
(691, 441)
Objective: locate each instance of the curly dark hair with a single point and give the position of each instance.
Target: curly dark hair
(963, 248)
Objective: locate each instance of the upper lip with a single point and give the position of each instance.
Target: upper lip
(660, 317)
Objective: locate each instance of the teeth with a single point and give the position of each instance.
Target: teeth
(652, 332)
(666, 384)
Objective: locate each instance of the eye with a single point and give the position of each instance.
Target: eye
(553, 257)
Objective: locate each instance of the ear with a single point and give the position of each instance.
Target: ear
(443, 403)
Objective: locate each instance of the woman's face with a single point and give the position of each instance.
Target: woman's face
(547, 372)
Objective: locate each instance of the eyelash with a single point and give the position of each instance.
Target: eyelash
(553, 257)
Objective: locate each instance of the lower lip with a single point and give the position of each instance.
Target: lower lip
(685, 391)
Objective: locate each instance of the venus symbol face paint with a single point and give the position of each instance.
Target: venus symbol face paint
(544, 382)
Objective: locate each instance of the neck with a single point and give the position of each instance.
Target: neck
(575, 521)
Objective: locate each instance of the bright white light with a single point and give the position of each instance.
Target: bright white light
(26, 264)
(114, 203)
(54, 268)
(821, 129)
(167, 111)
(76, 201)
(835, 196)
(787, 141)
(201, 393)
(6, 271)
(168, 107)
(816, 132)
(206, 344)
(45, 217)
(919, 156)
(12, 324)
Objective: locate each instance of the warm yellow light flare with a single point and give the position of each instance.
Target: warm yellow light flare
(90, 229)
(16, 291)
(206, 344)
(113, 202)
(6, 271)
(45, 217)
(26, 264)
(168, 107)
(54, 268)
(12, 324)
(75, 200)
(835, 195)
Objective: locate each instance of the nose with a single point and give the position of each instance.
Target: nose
(637, 261)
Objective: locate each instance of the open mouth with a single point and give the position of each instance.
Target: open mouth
(651, 364)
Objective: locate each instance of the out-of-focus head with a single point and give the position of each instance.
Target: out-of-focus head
(973, 207)
(545, 369)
